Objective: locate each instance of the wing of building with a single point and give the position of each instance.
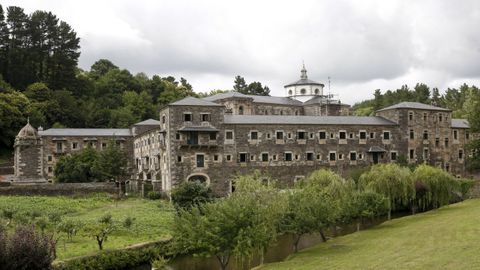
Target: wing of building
(213, 139)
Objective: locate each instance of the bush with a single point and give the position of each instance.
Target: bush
(154, 195)
(27, 249)
(189, 194)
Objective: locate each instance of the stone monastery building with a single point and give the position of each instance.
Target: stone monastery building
(215, 138)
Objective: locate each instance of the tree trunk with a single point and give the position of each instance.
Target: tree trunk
(389, 214)
(100, 243)
(334, 230)
(296, 241)
(358, 226)
(324, 239)
(223, 260)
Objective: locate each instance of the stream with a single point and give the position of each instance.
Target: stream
(278, 252)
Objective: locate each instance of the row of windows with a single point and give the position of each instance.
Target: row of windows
(76, 145)
(188, 117)
(244, 157)
(441, 117)
(303, 135)
(426, 154)
(148, 141)
(426, 136)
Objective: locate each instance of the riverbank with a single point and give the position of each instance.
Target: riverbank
(446, 238)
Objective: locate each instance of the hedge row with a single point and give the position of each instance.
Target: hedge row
(119, 259)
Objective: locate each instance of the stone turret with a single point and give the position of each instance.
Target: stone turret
(28, 162)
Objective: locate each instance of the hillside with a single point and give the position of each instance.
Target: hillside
(447, 238)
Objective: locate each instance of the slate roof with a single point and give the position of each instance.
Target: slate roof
(86, 132)
(414, 105)
(198, 128)
(304, 82)
(192, 101)
(256, 99)
(148, 122)
(307, 120)
(460, 123)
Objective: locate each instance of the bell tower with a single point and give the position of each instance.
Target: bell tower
(28, 161)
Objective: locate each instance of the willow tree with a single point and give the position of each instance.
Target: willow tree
(434, 187)
(393, 181)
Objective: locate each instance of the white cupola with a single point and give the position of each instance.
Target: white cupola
(304, 89)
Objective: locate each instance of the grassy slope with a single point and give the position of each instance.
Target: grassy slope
(447, 238)
(151, 221)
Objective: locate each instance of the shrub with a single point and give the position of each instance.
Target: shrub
(26, 249)
(154, 195)
(434, 187)
(189, 194)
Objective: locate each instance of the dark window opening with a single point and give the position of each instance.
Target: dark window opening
(437, 142)
(342, 135)
(310, 156)
(279, 135)
(410, 116)
(187, 117)
(288, 156)
(215, 157)
(200, 161)
(425, 135)
(353, 156)
(372, 135)
(322, 135)
(386, 135)
(229, 157)
(243, 157)
(332, 156)
(363, 135)
(412, 134)
(213, 136)
(179, 158)
(205, 117)
(254, 135)
(301, 135)
(264, 157)
(412, 153)
(393, 155)
(229, 135)
(446, 142)
(455, 135)
(240, 110)
(460, 154)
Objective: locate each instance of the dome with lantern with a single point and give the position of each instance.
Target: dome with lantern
(304, 89)
(28, 132)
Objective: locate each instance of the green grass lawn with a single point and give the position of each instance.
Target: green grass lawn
(153, 219)
(447, 238)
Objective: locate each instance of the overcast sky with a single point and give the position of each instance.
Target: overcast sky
(362, 45)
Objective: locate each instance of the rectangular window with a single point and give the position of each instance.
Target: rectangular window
(360, 156)
(467, 135)
(215, 157)
(253, 135)
(229, 135)
(187, 117)
(74, 145)
(279, 135)
(410, 116)
(288, 156)
(425, 117)
(50, 169)
(412, 134)
(425, 153)
(437, 142)
(179, 158)
(50, 158)
(455, 134)
(322, 135)
(393, 156)
(332, 156)
(200, 161)
(229, 157)
(363, 135)
(213, 136)
(353, 156)
(319, 157)
(460, 154)
(177, 136)
(412, 154)
(332, 135)
(425, 134)
(386, 135)
(309, 156)
(440, 117)
(340, 156)
(59, 147)
(289, 135)
(301, 135)
(446, 142)
(350, 135)
(243, 157)
(264, 157)
(372, 135)
(205, 117)
(104, 145)
(342, 135)
(311, 135)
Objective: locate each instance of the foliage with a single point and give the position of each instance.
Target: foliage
(254, 88)
(128, 222)
(101, 230)
(69, 227)
(26, 249)
(112, 163)
(78, 167)
(236, 226)
(154, 195)
(362, 205)
(190, 194)
(391, 180)
(159, 263)
(434, 187)
(464, 186)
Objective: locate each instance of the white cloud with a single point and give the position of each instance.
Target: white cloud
(362, 45)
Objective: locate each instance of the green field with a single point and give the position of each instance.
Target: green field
(447, 238)
(153, 219)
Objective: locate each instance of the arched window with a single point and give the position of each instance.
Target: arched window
(240, 110)
(289, 92)
(303, 91)
(317, 91)
(200, 178)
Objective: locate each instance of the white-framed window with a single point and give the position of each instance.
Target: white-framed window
(229, 135)
(393, 155)
(205, 117)
(353, 156)
(253, 135)
(410, 116)
(386, 135)
(332, 156)
(301, 135)
(322, 135)
(372, 135)
(362, 134)
(264, 157)
(288, 156)
(310, 156)
(243, 157)
(279, 135)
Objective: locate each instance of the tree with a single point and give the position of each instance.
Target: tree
(101, 67)
(240, 84)
(434, 187)
(78, 167)
(101, 229)
(364, 205)
(391, 180)
(190, 194)
(236, 226)
(112, 163)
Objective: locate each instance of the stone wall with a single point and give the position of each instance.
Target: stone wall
(63, 189)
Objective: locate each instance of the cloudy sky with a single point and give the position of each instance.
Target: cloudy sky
(361, 45)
